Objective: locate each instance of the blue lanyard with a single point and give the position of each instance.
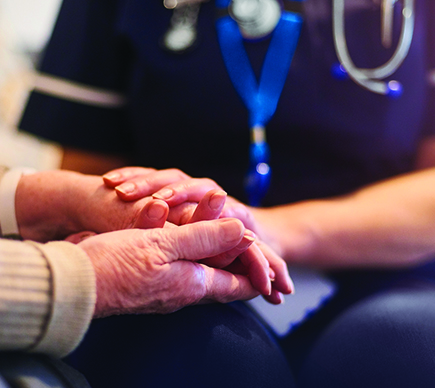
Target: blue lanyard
(260, 98)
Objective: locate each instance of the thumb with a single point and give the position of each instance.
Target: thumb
(153, 215)
(210, 207)
(205, 238)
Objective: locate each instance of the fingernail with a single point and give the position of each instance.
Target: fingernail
(281, 298)
(156, 211)
(126, 188)
(289, 280)
(292, 286)
(112, 176)
(272, 274)
(217, 200)
(246, 242)
(250, 233)
(230, 230)
(163, 194)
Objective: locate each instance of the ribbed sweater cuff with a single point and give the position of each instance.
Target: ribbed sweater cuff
(25, 295)
(73, 298)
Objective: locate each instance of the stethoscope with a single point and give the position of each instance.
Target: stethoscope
(257, 18)
(251, 20)
(373, 79)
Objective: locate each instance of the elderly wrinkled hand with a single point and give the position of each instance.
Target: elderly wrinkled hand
(158, 270)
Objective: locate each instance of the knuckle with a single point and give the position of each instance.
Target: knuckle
(192, 285)
(178, 173)
(209, 182)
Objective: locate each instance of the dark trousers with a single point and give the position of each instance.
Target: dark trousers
(379, 331)
(210, 346)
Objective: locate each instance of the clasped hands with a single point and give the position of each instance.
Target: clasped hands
(176, 250)
(190, 200)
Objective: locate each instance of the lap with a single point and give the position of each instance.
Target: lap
(386, 337)
(377, 332)
(201, 346)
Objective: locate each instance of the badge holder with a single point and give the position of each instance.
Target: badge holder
(253, 20)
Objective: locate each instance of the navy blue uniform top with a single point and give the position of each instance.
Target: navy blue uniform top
(327, 137)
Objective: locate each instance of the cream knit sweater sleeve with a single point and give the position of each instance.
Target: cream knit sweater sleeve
(47, 296)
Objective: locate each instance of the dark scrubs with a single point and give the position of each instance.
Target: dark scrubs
(328, 137)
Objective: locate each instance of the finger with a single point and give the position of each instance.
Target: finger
(236, 209)
(275, 297)
(144, 185)
(210, 206)
(236, 267)
(153, 215)
(282, 280)
(225, 287)
(189, 190)
(79, 237)
(201, 239)
(278, 273)
(182, 214)
(257, 268)
(227, 258)
(116, 177)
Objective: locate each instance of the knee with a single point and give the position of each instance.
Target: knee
(211, 345)
(385, 340)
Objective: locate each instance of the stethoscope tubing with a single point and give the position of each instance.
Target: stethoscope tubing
(371, 79)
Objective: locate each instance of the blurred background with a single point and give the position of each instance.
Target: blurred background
(25, 26)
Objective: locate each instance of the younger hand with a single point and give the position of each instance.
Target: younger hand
(133, 183)
(181, 192)
(51, 205)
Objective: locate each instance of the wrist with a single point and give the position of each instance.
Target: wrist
(291, 230)
(105, 288)
(43, 205)
(265, 230)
